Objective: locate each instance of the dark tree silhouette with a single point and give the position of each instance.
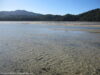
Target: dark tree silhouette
(22, 15)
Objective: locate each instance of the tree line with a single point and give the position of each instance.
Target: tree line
(92, 15)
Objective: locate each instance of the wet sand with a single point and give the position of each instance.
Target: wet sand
(36, 48)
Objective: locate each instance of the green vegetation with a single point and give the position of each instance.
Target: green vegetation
(93, 15)
(21, 15)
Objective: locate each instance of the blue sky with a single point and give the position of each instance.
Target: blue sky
(50, 6)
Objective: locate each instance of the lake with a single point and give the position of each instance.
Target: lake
(50, 48)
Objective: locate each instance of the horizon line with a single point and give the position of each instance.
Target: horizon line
(45, 13)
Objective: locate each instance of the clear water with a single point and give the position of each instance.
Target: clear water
(41, 50)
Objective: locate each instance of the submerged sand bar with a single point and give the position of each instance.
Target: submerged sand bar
(50, 48)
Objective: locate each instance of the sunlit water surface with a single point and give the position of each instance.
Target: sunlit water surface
(41, 49)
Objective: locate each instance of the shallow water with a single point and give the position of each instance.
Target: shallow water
(39, 49)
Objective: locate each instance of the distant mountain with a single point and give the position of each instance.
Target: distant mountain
(22, 15)
(92, 15)
(18, 13)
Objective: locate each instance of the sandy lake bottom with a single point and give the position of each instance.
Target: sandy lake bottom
(44, 49)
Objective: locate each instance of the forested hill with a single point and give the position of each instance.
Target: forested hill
(93, 15)
(22, 15)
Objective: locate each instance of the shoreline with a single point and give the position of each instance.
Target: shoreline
(61, 23)
(65, 23)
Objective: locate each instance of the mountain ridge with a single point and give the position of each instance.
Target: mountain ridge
(20, 12)
(23, 15)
